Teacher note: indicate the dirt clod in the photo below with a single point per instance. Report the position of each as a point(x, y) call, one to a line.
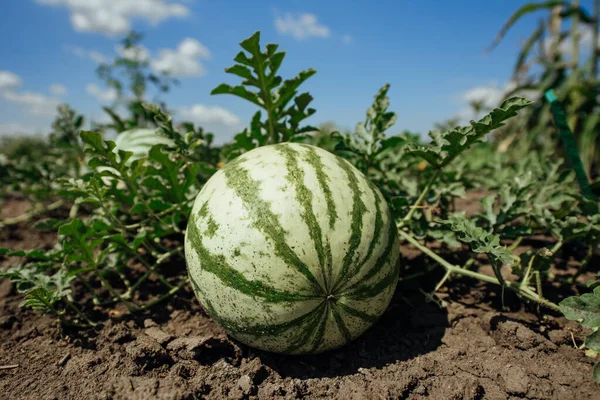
point(511, 333)
point(159, 335)
point(147, 352)
point(515, 380)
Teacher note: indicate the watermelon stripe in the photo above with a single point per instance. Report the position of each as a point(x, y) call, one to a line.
point(381, 261)
point(309, 330)
point(203, 212)
point(340, 322)
point(314, 160)
point(328, 263)
point(295, 175)
point(368, 291)
point(356, 313)
point(358, 209)
point(377, 230)
point(212, 227)
point(264, 219)
point(230, 277)
point(256, 330)
point(322, 326)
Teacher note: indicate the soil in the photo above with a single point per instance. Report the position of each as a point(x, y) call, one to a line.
point(469, 349)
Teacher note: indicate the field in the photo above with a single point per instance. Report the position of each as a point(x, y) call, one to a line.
point(498, 222)
point(468, 349)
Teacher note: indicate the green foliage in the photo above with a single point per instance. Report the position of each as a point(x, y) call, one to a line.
point(446, 146)
point(284, 108)
point(32, 166)
point(478, 239)
point(369, 138)
point(558, 59)
point(586, 310)
point(135, 68)
point(41, 291)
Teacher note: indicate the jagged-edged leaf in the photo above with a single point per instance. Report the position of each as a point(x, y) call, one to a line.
point(239, 91)
point(448, 145)
point(584, 308)
point(522, 11)
point(479, 239)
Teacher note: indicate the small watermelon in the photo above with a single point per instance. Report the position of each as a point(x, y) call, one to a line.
point(139, 141)
point(291, 249)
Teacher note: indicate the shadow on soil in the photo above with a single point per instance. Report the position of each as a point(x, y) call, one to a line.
point(410, 327)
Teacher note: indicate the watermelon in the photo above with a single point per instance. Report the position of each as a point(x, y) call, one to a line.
point(139, 141)
point(291, 249)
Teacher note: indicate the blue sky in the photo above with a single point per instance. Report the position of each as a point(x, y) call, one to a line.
point(431, 52)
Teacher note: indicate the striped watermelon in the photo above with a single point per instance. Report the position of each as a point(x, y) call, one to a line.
point(290, 249)
point(139, 141)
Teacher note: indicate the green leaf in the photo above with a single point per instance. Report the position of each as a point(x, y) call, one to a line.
point(273, 95)
point(94, 139)
point(118, 123)
point(480, 240)
point(251, 45)
point(527, 47)
point(241, 71)
point(71, 228)
point(446, 146)
point(368, 138)
point(239, 91)
point(585, 309)
point(522, 11)
point(289, 88)
point(592, 341)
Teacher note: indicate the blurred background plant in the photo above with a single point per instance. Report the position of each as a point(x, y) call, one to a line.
point(561, 54)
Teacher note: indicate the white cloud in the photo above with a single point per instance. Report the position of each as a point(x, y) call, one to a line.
point(16, 128)
point(138, 53)
point(58, 89)
point(8, 80)
point(32, 103)
point(87, 54)
point(184, 60)
point(490, 96)
point(103, 96)
point(347, 39)
point(113, 17)
point(208, 115)
point(300, 26)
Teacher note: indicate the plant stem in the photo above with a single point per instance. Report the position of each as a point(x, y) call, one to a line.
point(443, 280)
point(454, 269)
point(268, 102)
point(516, 243)
point(162, 297)
point(95, 299)
point(79, 313)
point(115, 293)
point(32, 212)
point(556, 247)
point(414, 207)
point(152, 269)
point(525, 280)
